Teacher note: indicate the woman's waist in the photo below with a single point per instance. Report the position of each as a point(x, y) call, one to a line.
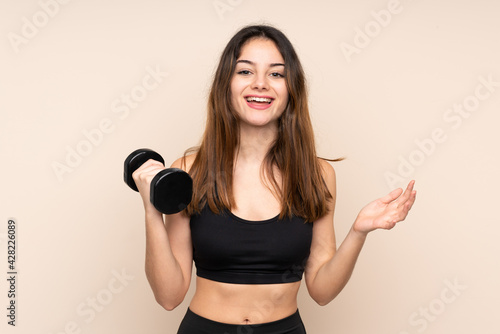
point(244, 303)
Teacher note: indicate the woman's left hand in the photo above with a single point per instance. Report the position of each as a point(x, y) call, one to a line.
point(387, 211)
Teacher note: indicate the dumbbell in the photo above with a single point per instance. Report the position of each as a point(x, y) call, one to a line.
point(171, 189)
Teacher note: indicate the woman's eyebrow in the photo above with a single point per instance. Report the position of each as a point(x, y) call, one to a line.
point(253, 64)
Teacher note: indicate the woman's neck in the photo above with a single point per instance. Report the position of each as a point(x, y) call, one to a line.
point(255, 143)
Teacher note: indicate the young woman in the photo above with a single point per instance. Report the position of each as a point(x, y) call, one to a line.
point(261, 217)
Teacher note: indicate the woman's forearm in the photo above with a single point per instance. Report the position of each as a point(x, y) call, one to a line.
point(162, 269)
point(335, 273)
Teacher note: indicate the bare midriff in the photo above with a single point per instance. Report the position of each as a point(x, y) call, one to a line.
point(244, 303)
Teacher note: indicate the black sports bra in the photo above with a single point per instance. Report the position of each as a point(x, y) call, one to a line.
point(230, 249)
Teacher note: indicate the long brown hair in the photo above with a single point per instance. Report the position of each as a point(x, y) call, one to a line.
point(303, 191)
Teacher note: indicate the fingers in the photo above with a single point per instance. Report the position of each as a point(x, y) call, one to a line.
point(407, 195)
point(391, 196)
point(147, 171)
point(394, 207)
point(411, 200)
point(148, 166)
point(406, 206)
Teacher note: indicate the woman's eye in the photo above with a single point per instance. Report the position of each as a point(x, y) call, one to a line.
point(244, 72)
point(277, 75)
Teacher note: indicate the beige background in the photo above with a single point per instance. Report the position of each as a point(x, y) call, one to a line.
point(80, 227)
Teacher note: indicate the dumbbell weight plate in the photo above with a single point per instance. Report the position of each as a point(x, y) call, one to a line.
point(171, 190)
point(135, 160)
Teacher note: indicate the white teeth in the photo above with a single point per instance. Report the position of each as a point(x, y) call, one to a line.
point(258, 99)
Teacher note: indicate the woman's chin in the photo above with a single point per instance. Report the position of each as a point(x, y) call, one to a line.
point(260, 123)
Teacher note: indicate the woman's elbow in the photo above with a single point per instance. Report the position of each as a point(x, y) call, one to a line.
point(322, 298)
point(169, 301)
point(167, 304)
point(168, 307)
point(322, 301)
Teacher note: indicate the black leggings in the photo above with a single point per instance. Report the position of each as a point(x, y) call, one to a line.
point(195, 324)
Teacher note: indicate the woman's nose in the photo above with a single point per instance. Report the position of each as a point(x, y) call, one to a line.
point(260, 82)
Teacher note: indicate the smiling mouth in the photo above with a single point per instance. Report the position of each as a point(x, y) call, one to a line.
point(259, 99)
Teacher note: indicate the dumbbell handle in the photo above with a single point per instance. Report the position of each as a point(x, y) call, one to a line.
point(135, 160)
point(171, 189)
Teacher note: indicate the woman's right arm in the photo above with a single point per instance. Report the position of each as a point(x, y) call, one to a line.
point(168, 243)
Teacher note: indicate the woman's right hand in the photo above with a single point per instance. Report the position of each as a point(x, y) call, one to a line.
point(142, 177)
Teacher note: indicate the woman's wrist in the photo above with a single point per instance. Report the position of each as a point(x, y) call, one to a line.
point(152, 214)
point(361, 235)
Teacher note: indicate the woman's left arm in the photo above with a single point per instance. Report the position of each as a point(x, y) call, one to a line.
point(328, 270)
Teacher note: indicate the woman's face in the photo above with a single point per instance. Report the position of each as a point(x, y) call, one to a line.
point(258, 88)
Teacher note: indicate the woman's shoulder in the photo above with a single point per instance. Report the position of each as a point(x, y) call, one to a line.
point(185, 162)
point(327, 170)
